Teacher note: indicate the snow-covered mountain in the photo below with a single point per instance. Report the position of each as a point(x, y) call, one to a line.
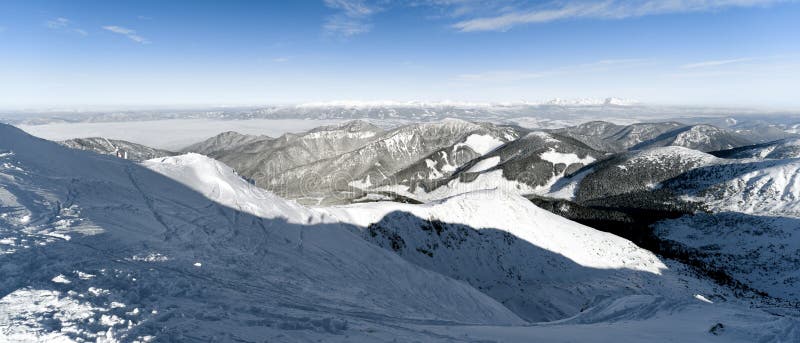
point(770, 187)
point(637, 171)
point(225, 141)
point(342, 172)
point(751, 228)
point(115, 147)
point(532, 164)
point(358, 161)
point(605, 136)
point(699, 137)
point(181, 248)
point(781, 149)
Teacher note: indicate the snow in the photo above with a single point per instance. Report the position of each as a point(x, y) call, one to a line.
point(61, 279)
point(565, 188)
point(484, 164)
point(677, 152)
point(488, 180)
point(555, 157)
point(362, 184)
point(766, 188)
point(222, 185)
point(544, 136)
point(702, 298)
point(482, 144)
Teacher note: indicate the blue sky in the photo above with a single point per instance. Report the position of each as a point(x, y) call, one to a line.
point(125, 53)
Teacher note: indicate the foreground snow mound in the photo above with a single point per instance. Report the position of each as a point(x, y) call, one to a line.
point(504, 245)
point(221, 184)
point(517, 216)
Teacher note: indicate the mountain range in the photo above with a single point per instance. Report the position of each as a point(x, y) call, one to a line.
point(438, 231)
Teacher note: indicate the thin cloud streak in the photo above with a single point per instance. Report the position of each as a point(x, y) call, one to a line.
point(64, 24)
point(131, 34)
point(605, 9)
point(352, 19)
point(716, 63)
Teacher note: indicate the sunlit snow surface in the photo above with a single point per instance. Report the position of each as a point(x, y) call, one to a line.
point(187, 251)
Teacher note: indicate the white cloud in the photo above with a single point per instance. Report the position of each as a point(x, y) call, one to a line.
point(351, 8)
point(597, 9)
point(131, 34)
point(280, 59)
point(352, 17)
point(58, 23)
point(716, 63)
point(64, 24)
point(346, 27)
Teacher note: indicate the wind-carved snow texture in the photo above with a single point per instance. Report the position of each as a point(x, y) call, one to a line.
point(98, 248)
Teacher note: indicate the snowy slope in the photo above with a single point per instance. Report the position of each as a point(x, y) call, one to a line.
point(751, 230)
point(114, 248)
point(759, 251)
point(785, 148)
point(771, 187)
point(541, 266)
